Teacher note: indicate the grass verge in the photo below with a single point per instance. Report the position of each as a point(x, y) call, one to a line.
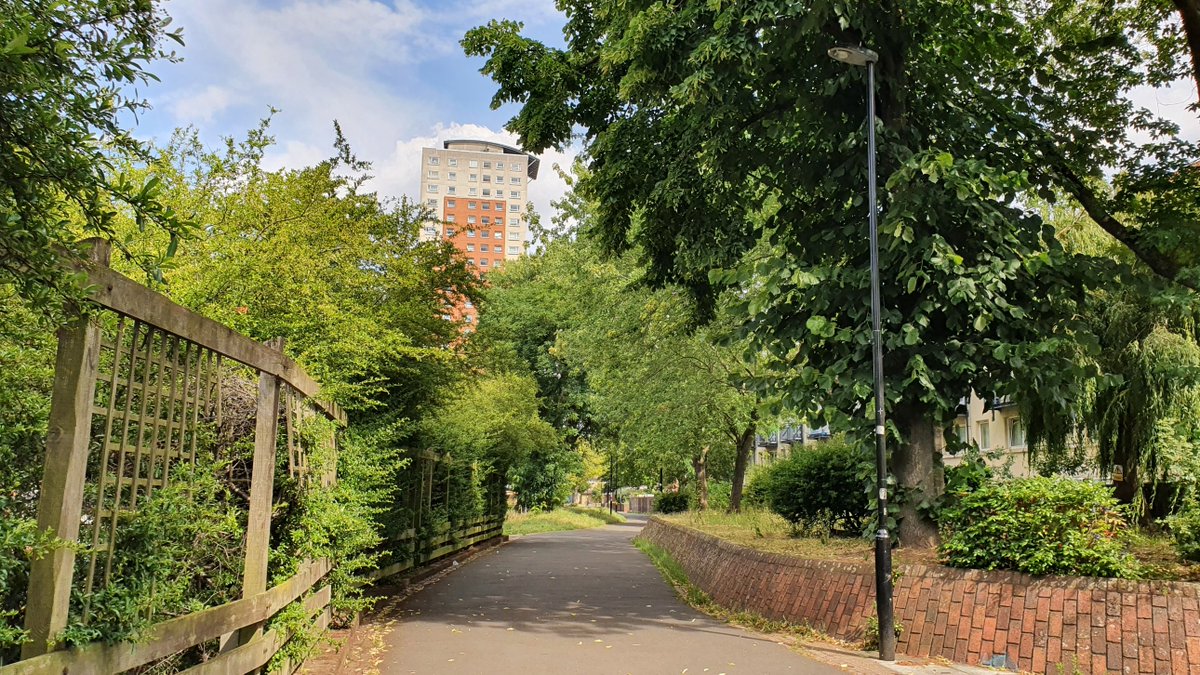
point(673, 572)
point(558, 520)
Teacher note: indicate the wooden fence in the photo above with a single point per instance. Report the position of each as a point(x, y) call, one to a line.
point(137, 381)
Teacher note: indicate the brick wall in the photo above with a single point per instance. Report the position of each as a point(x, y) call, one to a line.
point(1083, 624)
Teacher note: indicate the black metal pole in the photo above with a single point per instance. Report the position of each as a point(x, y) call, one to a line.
point(883, 543)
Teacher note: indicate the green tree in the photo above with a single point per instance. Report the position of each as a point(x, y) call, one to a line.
point(68, 77)
point(727, 149)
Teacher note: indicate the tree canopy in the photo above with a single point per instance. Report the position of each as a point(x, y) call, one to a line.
point(728, 150)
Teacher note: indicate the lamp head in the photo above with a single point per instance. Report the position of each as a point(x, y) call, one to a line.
point(854, 56)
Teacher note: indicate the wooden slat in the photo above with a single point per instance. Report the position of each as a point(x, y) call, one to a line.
point(256, 654)
point(262, 477)
point(125, 296)
point(60, 505)
point(175, 635)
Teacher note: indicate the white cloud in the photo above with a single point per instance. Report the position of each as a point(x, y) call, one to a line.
point(1171, 103)
point(202, 105)
point(400, 172)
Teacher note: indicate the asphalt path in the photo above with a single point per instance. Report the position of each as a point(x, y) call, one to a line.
point(582, 602)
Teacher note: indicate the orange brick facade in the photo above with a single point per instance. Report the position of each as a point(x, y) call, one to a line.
point(1045, 625)
point(476, 227)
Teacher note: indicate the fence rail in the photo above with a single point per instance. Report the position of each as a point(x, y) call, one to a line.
point(138, 379)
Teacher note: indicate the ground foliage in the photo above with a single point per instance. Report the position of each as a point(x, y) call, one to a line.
point(1039, 526)
point(819, 487)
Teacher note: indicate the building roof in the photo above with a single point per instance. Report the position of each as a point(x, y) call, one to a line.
point(531, 168)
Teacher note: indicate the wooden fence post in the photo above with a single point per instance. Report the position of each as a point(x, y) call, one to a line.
point(60, 502)
point(262, 487)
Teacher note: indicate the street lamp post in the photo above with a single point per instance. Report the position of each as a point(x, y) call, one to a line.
point(857, 56)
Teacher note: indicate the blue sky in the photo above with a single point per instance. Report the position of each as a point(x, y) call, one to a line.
point(390, 71)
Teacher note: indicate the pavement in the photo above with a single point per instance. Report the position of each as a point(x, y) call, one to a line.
point(578, 602)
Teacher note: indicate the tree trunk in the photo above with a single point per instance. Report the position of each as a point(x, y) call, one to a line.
point(1189, 13)
point(745, 445)
point(700, 465)
point(919, 476)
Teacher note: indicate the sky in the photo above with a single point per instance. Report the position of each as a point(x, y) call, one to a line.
point(390, 71)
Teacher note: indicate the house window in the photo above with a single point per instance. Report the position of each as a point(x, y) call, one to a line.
point(450, 203)
point(1016, 433)
point(487, 206)
point(473, 164)
point(451, 218)
point(446, 317)
point(960, 431)
point(433, 161)
point(471, 205)
point(483, 248)
point(471, 192)
point(432, 173)
point(487, 165)
point(514, 167)
point(470, 248)
point(515, 194)
point(431, 203)
point(449, 189)
point(452, 162)
point(514, 235)
point(471, 221)
point(487, 178)
point(450, 175)
point(514, 208)
point(431, 188)
point(515, 180)
point(487, 192)
point(473, 178)
point(513, 250)
point(483, 262)
point(486, 221)
point(499, 221)
point(499, 179)
point(985, 436)
point(500, 205)
point(499, 234)
point(469, 304)
point(450, 231)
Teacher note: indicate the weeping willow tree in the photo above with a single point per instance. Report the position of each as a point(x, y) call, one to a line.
point(1137, 404)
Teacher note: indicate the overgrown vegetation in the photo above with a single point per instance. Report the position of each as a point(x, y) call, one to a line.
point(518, 523)
point(1039, 526)
point(819, 487)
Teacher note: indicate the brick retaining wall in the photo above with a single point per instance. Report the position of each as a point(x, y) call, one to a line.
point(1084, 624)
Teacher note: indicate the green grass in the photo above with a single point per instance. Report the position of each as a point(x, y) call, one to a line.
point(558, 520)
point(765, 531)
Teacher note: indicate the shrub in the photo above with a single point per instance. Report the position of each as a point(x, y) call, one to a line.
point(1185, 529)
point(672, 502)
point(758, 488)
point(820, 487)
point(1038, 526)
point(719, 495)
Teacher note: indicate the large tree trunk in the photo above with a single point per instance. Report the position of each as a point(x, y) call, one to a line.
point(1189, 13)
point(700, 466)
point(745, 445)
point(919, 476)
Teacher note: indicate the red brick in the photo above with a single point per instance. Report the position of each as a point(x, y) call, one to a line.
point(1112, 631)
point(1158, 600)
point(1145, 660)
point(1026, 647)
point(1159, 617)
point(1114, 657)
point(1193, 648)
point(1054, 653)
point(1179, 660)
point(1054, 628)
point(1145, 632)
point(1056, 600)
point(1143, 609)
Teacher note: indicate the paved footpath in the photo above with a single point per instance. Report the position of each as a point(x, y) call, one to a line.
point(581, 602)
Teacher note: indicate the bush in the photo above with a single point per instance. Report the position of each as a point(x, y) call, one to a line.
point(1185, 529)
point(758, 488)
point(820, 487)
point(1038, 526)
point(672, 502)
point(719, 495)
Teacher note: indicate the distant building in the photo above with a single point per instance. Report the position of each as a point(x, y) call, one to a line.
point(997, 430)
point(779, 445)
point(477, 192)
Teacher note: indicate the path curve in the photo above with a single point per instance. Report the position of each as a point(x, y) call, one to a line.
point(582, 602)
